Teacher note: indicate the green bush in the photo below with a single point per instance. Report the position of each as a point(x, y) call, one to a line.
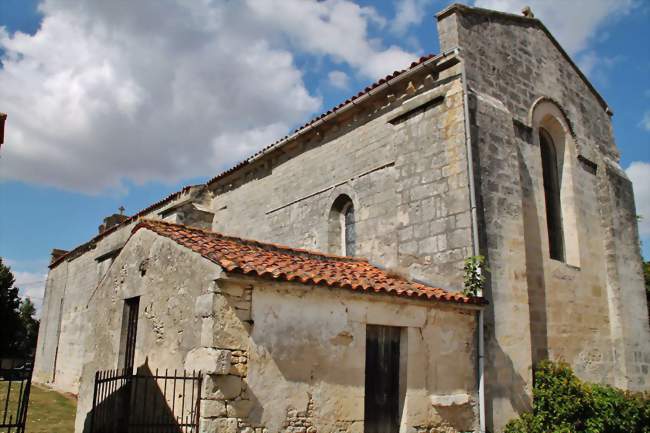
point(562, 403)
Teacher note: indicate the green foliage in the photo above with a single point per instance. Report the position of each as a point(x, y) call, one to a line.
point(19, 328)
point(562, 403)
point(9, 304)
point(475, 270)
point(27, 333)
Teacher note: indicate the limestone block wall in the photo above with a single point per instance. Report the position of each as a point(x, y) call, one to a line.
point(586, 310)
point(406, 175)
point(69, 288)
point(290, 357)
point(168, 279)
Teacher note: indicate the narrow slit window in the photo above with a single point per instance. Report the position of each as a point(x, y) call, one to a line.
point(129, 333)
point(382, 388)
point(350, 236)
point(551, 175)
point(342, 227)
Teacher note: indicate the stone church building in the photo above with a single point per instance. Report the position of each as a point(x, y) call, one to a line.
point(318, 284)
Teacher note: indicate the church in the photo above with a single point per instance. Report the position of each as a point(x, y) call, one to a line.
point(319, 285)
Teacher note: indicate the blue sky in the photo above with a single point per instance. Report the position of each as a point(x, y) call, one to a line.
point(121, 103)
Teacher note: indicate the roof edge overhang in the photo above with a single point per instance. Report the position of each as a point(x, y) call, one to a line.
point(520, 19)
point(92, 243)
point(240, 278)
point(433, 63)
point(472, 302)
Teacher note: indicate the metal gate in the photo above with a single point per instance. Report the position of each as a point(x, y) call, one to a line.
point(15, 384)
point(140, 402)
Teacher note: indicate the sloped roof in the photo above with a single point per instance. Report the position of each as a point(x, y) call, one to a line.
point(77, 251)
point(527, 20)
point(277, 262)
point(368, 90)
point(335, 110)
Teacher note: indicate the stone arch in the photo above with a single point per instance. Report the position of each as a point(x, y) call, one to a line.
point(341, 229)
point(551, 126)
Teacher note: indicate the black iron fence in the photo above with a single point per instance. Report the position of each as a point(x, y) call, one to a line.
point(146, 402)
point(15, 384)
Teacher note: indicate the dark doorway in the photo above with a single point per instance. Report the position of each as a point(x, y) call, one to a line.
point(382, 379)
point(129, 333)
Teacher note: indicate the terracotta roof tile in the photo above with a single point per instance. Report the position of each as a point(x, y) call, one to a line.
point(277, 262)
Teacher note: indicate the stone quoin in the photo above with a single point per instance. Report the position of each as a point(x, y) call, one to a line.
point(498, 146)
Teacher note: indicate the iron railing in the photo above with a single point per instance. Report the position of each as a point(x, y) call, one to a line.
point(15, 384)
point(143, 402)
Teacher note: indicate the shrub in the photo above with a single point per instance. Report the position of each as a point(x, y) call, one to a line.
point(474, 279)
point(562, 403)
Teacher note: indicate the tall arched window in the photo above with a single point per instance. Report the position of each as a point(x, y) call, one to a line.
point(552, 188)
point(342, 230)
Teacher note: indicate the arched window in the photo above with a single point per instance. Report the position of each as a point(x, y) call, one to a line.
point(342, 230)
point(552, 188)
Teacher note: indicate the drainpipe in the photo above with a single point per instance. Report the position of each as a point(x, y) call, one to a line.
point(475, 246)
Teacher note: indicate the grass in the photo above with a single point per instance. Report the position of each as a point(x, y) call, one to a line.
point(48, 412)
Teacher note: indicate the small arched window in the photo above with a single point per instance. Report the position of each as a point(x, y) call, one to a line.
point(342, 229)
point(552, 188)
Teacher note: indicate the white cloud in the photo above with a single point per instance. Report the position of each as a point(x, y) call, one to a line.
point(409, 13)
point(645, 121)
point(596, 66)
point(31, 285)
point(160, 91)
point(337, 28)
point(339, 79)
point(574, 23)
point(639, 173)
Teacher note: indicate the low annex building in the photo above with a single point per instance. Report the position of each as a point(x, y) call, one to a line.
point(317, 285)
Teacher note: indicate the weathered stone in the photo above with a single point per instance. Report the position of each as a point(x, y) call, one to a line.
point(213, 408)
point(207, 332)
point(238, 370)
point(204, 306)
point(208, 360)
point(223, 387)
point(239, 408)
point(409, 181)
point(218, 425)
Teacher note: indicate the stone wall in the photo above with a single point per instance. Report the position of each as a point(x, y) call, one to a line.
point(68, 291)
point(70, 288)
point(289, 357)
point(588, 309)
point(400, 157)
point(276, 356)
point(168, 279)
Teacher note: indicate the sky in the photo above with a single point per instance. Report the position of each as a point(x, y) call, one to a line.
point(121, 103)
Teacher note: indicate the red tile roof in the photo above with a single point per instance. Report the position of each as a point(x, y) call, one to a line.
point(90, 244)
point(279, 262)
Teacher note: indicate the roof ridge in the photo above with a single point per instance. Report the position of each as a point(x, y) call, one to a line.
point(279, 263)
point(248, 241)
point(366, 90)
point(81, 247)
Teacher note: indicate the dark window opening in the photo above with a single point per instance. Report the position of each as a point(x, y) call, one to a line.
point(382, 397)
point(342, 227)
point(350, 237)
point(550, 173)
point(129, 332)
